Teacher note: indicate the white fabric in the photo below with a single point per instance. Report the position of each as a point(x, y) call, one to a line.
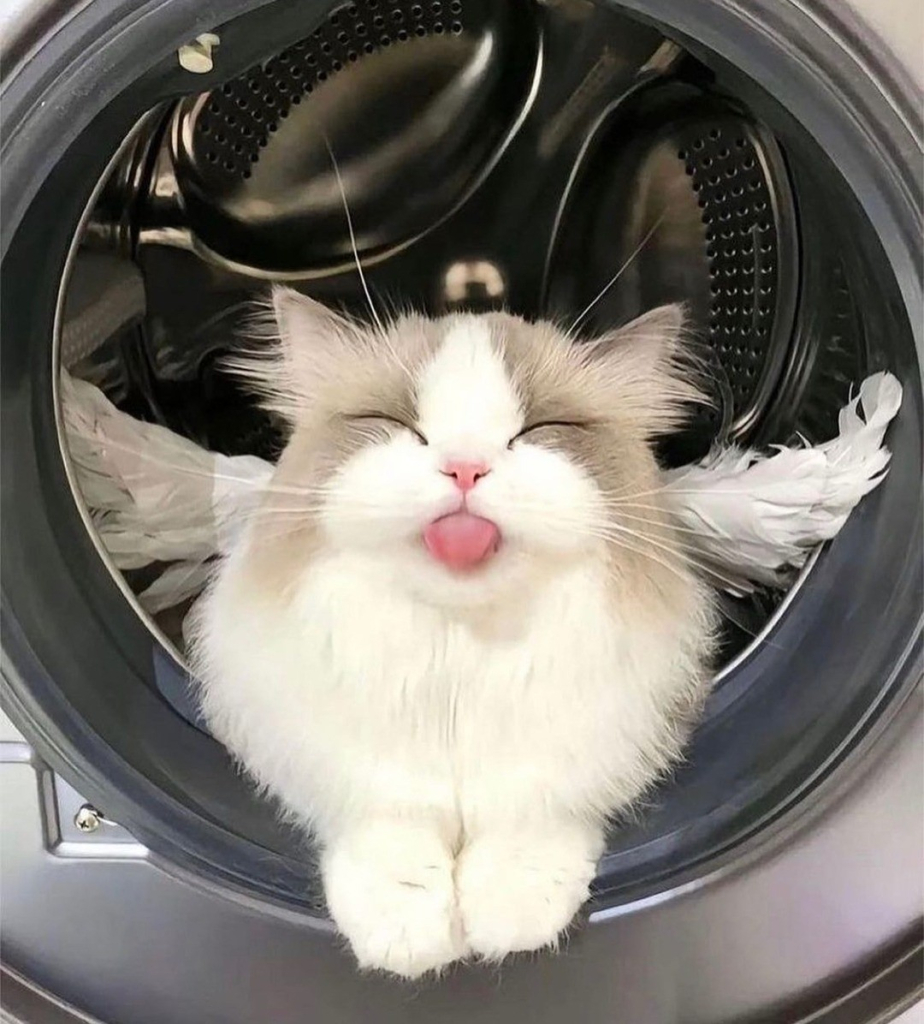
point(154, 496)
point(755, 514)
point(157, 497)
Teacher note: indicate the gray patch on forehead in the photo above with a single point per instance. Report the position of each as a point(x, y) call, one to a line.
point(383, 376)
point(549, 382)
point(554, 383)
point(375, 376)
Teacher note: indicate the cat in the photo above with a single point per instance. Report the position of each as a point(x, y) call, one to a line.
point(461, 633)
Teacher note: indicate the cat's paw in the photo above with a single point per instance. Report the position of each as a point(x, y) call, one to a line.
point(390, 891)
point(521, 893)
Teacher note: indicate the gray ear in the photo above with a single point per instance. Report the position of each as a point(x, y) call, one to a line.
point(649, 369)
point(306, 326)
point(293, 349)
point(656, 334)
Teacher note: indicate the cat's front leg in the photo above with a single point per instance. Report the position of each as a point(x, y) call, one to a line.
point(390, 890)
point(519, 889)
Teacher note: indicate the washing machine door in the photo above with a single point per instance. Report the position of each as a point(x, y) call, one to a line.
point(778, 877)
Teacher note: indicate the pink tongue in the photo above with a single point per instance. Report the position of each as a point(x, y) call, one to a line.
point(461, 540)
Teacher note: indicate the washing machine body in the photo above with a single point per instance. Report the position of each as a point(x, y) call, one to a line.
point(141, 882)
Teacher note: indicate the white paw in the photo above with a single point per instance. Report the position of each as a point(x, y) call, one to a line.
point(390, 891)
point(519, 894)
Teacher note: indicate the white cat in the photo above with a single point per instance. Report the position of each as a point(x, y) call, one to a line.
point(461, 632)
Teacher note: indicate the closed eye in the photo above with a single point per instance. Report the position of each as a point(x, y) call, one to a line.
point(532, 427)
point(394, 420)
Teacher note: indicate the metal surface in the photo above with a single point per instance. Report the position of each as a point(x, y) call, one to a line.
point(734, 786)
point(728, 949)
point(417, 100)
point(690, 198)
point(819, 896)
point(673, 179)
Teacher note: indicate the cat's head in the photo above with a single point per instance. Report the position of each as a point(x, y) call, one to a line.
point(464, 454)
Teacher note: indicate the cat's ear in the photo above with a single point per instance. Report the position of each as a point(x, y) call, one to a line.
point(295, 345)
point(650, 370)
point(307, 329)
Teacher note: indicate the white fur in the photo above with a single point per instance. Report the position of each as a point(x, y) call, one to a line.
point(456, 742)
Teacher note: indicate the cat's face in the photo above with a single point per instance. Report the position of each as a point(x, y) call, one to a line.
point(467, 452)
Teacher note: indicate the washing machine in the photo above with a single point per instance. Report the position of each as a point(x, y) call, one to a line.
point(162, 160)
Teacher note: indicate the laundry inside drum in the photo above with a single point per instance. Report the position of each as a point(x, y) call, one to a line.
point(542, 158)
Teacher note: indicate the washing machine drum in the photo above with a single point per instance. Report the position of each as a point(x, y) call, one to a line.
point(569, 159)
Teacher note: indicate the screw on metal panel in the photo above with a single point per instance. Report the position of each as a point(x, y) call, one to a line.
point(197, 56)
point(88, 818)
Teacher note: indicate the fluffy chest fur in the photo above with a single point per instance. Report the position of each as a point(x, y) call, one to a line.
point(353, 694)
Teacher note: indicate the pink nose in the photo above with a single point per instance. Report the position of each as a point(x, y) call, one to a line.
point(465, 474)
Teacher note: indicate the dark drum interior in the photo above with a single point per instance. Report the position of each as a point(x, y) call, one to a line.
point(514, 154)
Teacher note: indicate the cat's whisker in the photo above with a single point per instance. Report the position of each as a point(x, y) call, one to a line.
point(643, 552)
point(613, 532)
point(367, 291)
point(259, 485)
point(585, 312)
point(349, 220)
point(668, 489)
point(667, 527)
point(678, 543)
point(664, 509)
